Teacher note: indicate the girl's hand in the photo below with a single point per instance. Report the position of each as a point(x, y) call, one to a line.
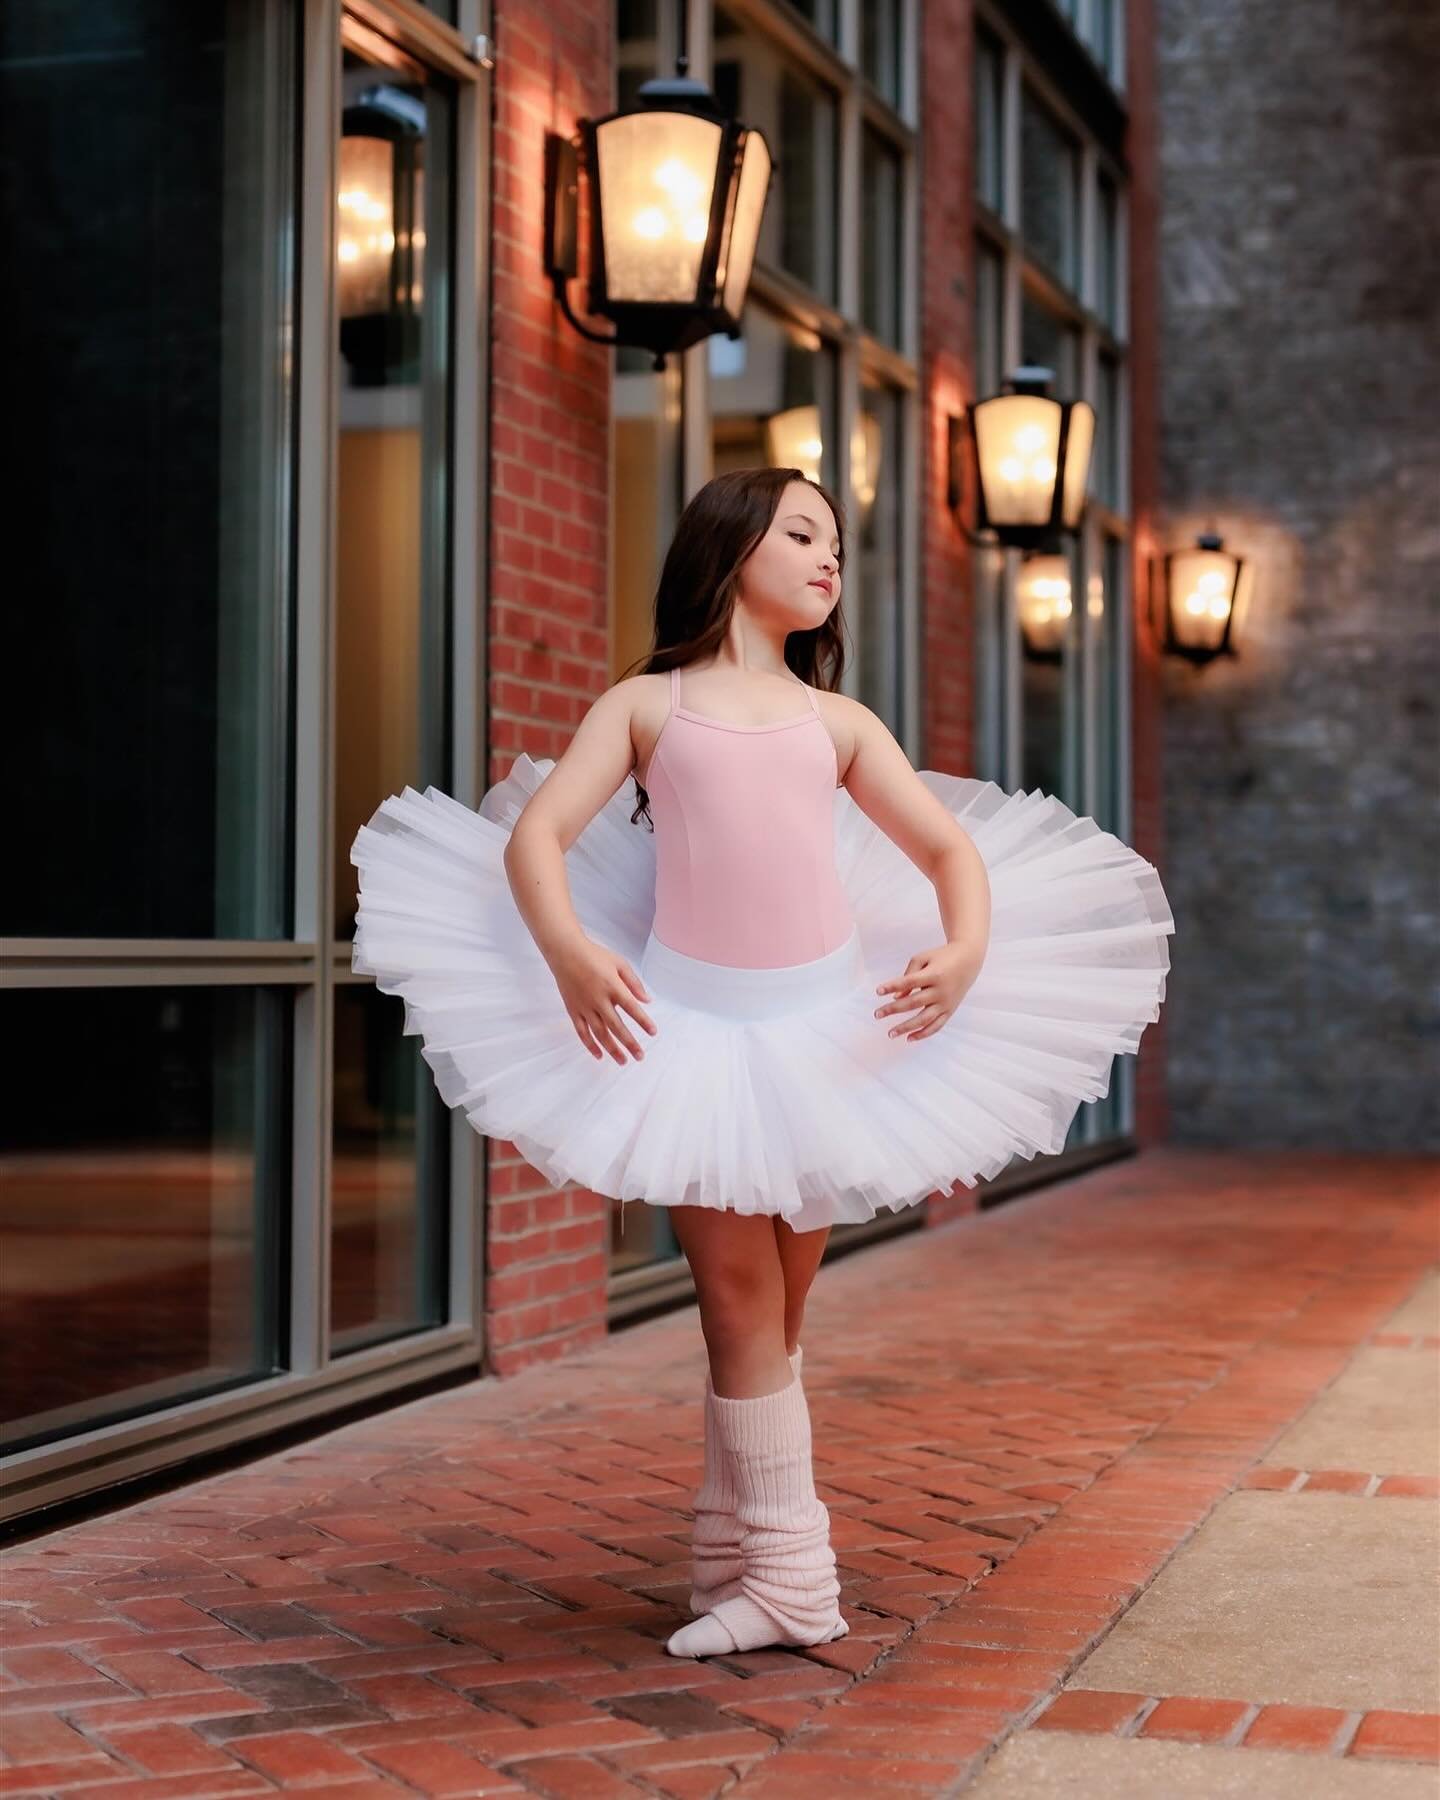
point(935, 982)
point(595, 983)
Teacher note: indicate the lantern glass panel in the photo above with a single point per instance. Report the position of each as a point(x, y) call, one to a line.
point(1202, 592)
point(743, 228)
point(1077, 462)
point(1018, 439)
point(657, 178)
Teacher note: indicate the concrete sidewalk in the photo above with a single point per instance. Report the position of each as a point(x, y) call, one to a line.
point(1133, 1484)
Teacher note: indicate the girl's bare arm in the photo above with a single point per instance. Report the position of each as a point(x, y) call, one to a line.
point(880, 780)
point(594, 980)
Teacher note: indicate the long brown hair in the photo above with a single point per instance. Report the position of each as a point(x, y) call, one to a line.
point(700, 579)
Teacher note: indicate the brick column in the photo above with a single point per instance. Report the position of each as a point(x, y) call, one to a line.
point(546, 1252)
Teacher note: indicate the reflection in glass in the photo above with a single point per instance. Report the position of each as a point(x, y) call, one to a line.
point(1044, 690)
point(388, 1254)
point(880, 272)
point(880, 47)
point(799, 119)
point(392, 574)
point(879, 628)
point(989, 121)
point(146, 192)
point(143, 1229)
point(772, 398)
point(393, 276)
point(1049, 190)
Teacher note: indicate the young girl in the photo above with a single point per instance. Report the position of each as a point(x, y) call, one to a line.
point(798, 982)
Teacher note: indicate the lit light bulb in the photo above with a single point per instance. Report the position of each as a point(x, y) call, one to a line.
point(649, 222)
point(695, 228)
point(682, 184)
point(347, 251)
point(1043, 469)
point(1030, 437)
point(1012, 468)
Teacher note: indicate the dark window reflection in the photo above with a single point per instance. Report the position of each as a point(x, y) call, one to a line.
point(145, 200)
point(799, 118)
point(880, 47)
point(143, 1223)
point(875, 481)
point(1049, 190)
point(390, 1180)
point(880, 251)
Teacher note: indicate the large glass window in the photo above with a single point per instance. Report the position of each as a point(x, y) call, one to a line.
point(148, 399)
point(143, 1220)
point(249, 401)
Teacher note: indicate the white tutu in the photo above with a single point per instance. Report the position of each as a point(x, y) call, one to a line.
point(768, 1090)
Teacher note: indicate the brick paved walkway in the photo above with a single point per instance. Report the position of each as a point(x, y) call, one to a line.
point(1019, 1420)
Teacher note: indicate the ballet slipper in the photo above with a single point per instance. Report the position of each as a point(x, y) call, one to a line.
point(789, 1589)
point(715, 1537)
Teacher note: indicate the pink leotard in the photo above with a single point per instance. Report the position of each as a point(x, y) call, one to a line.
point(745, 838)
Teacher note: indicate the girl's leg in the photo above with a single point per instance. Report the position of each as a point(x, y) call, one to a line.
point(740, 1286)
point(800, 1253)
point(788, 1588)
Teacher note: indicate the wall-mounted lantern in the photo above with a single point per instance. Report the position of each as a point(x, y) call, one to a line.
point(1043, 604)
point(676, 192)
point(1205, 591)
point(1032, 460)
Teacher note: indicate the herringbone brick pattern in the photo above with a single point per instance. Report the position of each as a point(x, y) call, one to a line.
point(1017, 1419)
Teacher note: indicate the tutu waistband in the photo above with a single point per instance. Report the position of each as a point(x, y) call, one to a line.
point(744, 993)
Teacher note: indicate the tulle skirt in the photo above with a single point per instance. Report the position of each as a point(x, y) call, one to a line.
point(771, 1090)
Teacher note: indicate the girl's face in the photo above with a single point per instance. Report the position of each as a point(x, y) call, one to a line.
point(792, 576)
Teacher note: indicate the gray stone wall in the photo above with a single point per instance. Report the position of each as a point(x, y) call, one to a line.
point(1300, 408)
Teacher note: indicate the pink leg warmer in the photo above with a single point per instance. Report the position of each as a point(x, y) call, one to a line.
point(789, 1590)
point(715, 1535)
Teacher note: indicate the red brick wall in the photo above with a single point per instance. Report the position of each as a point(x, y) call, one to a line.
point(546, 1253)
point(1147, 686)
point(947, 361)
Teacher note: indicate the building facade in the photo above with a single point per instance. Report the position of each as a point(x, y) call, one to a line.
point(324, 497)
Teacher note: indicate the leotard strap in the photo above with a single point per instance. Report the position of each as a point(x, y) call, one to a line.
point(810, 696)
point(674, 688)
